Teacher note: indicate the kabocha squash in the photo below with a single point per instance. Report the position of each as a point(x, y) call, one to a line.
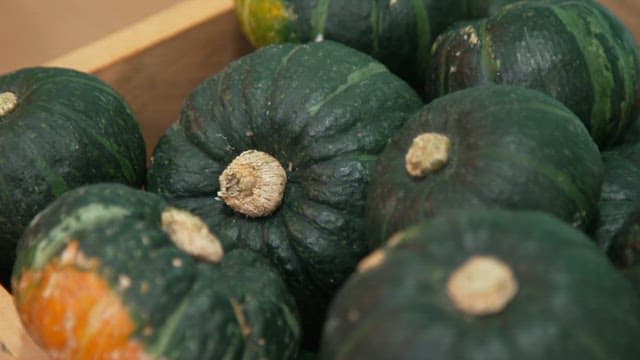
point(620, 196)
point(107, 271)
point(59, 129)
point(576, 51)
point(398, 33)
point(486, 146)
point(624, 247)
point(276, 153)
point(485, 285)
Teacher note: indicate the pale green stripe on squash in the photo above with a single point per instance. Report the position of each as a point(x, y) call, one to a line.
point(83, 218)
point(354, 78)
point(424, 35)
point(319, 18)
point(583, 29)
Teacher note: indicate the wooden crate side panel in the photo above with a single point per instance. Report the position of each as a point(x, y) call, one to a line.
point(156, 81)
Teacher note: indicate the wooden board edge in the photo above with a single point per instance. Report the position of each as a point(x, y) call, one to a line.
point(15, 343)
point(141, 35)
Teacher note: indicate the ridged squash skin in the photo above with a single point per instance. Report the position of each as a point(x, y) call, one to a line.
point(619, 200)
point(325, 112)
point(67, 129)
point(511, 147)
point(399, 306)
point(98, 275)
point(624, 248)
point(576, 51)
point(398, 33)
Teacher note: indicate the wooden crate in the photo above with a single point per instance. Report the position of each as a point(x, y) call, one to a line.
point(155, 63)
point(158, 61)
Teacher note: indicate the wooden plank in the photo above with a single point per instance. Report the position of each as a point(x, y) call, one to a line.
point(156, 81)
point(141, 35)
point(36, 31)
point(158, 61)
point(14, 341)
point(628, 11)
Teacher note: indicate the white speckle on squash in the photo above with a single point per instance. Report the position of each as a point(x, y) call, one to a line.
point(124, 281)
point(238, 312)
point(144, 287)
point(396, 238)
point(372, 261)
point(482, 285)
point(176, 262)
point(147, 330)
point(253, 184)
point(73, 256)
point(428, 153)
point(8, 102)
point(469, 34)
point(190, 234)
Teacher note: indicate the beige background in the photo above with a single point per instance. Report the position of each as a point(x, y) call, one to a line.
point(35, 31)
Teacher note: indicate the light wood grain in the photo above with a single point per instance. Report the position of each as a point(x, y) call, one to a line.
point(628, 11)
point(35, 31)
point(141, 35)
point(157, 80)
point(156, 62)
point(14, 341)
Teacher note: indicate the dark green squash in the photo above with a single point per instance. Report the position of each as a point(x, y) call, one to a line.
point(399, 33)
point(624, 249)
point(576, 51)
point(485, 285)
point(59, 129)
point(314, 118)
point(509, 147)
point(619, 200)
point(107, 271)
point(632, 135)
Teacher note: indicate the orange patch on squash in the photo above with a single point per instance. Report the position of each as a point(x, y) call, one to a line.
point(73, 313)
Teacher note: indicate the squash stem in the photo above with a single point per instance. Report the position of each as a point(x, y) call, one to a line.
point(253, 184)
point(428, 153)
point(482, 285)
point(8, 102)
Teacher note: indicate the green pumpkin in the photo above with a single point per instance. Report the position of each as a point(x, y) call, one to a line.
point(59, 129)
point(276, 153)
point(486, 146)
point(619, 200)
point(398, 33)
point(624, 249)
point(632, 135)
point(109, 271)
point(576, 51)
point(485, 285)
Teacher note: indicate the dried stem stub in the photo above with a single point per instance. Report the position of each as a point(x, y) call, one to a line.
point(482, 285)
point(191, 235)
point(8, 102)
point(253, 184)
point(428, 153)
